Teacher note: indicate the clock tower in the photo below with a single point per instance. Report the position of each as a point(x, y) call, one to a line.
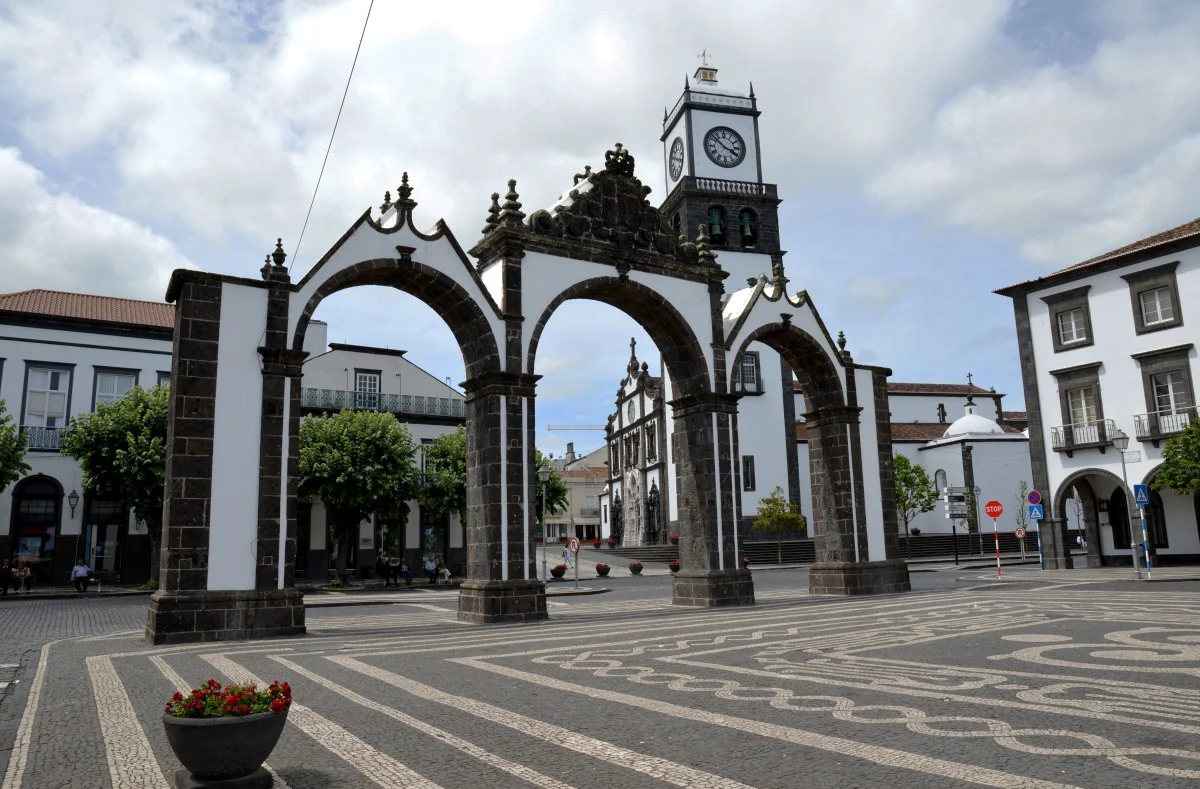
point(713, 166)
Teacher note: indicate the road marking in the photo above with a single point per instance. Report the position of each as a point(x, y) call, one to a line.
point(469, 748)
point(20, 750)
point(379, 767)
point(131, 762)
point(429, 607)
point(889, 757)
point(661, 769)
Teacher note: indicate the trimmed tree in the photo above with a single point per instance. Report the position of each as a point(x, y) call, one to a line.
point(122, 450)
point(12, 451)
point(553, 491)
point(915, 491)
point(1180, 470)
point(1021, 512)
point(444, 489)
point(357, 463)
point(776, 515)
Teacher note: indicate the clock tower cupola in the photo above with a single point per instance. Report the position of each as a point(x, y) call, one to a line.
point(713, 166)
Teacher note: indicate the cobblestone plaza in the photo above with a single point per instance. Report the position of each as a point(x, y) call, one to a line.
point(1057, 679)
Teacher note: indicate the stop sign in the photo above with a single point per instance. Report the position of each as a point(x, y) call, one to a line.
point(994, 509)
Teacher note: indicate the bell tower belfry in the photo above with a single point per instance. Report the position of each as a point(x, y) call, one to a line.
point(713, 165)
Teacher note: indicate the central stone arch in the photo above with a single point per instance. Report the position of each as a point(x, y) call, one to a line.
point(240, 340)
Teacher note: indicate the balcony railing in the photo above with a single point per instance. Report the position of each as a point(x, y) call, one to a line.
point(589, 510)
point(339, 399)
point(730, 187)
point(1160, 424)
point(1067, 438)
point(48, 439)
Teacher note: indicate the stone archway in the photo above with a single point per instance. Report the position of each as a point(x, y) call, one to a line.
point(239, 341)
point(1081, 482)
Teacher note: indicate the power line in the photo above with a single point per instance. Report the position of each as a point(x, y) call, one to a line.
point(329, 147)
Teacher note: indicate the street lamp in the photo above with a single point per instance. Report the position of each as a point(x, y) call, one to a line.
point(544, 475)
point(1120, 442)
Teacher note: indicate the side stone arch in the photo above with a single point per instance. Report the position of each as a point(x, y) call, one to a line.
point(1080, 481)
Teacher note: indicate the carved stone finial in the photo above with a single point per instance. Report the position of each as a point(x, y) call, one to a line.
point(632, 367)
point(587, 173)
point(786, 317)
point(387, 201)
point(752, 281)
point(776, 268)
point(493, 217)
point(511, 213)
point(703, 250)
point(404, 191)
point(619, 161)
point(278, 256)
point(841, 341)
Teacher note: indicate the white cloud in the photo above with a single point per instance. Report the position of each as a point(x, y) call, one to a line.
point(57, 241)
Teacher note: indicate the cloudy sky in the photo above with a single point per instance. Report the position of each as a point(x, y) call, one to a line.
point(927, 152)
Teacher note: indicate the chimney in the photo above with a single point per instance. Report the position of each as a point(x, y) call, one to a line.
point(570, 452)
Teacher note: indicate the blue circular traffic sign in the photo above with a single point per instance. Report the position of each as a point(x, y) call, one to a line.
point(1034, 497)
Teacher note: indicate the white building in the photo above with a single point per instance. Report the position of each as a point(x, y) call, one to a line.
point(1106, 352)
point(338, 376)
point(61, 354)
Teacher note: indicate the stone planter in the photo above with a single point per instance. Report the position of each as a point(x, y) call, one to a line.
point(635, 569)
point(224, 749)
point(602, 570)
point(557, 572)
point(674, 566)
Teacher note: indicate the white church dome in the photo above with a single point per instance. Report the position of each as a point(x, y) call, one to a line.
point(972, 423)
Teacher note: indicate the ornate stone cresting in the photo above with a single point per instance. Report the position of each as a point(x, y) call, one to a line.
point(404, 202)
point(493, 218)
point(273, 269)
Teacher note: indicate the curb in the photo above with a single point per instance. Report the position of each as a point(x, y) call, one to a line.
point(73, 595)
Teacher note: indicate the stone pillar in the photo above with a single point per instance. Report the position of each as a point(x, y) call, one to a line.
point(496, 589)
point(708, 574)
point(841, 541)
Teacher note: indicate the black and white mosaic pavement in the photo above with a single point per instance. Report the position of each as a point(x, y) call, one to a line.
point(1045, 681)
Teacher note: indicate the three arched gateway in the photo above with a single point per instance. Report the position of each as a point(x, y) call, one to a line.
point(228, 548)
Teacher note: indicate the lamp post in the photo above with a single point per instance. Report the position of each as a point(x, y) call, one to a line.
point(544, 476)
point(73, 500)
point(1120, 442)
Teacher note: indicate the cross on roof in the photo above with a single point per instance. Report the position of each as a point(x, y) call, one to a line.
point(969, 381)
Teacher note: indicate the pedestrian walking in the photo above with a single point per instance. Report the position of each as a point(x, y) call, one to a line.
point(81, 576)
point(382, 570)
point(431, 569)
point(6, 578)
point(24, 578)
point(406, 572)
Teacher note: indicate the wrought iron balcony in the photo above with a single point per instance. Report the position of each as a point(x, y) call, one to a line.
point(589, 510)
point(416, 405)
point(43, 439)
point(1091, 435)
point(1162, 424)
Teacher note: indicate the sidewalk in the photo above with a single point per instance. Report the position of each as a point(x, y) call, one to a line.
point(63, 592)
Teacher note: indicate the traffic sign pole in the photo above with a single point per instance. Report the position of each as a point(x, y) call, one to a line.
point(1145, 541)
point(996, 535)
point(994, 510)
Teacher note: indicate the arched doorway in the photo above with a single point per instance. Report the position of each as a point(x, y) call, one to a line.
point(36, 520)
point(1092, 503)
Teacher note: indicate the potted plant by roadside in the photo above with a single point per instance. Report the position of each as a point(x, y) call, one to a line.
point(635, 568)
point(612, 543)
point(674, 538)
point(915, 531)
point(223, 734)
point(558, 570)
point(674, 566)
point(601, 569)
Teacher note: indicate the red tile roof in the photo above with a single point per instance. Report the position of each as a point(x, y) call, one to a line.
point(1188, 230)
point(1015, 416)
point(86, 307)
point(591, 472)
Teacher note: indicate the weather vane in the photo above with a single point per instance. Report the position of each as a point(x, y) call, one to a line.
point(704, 56)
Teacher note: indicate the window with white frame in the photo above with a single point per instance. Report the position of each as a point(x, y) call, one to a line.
point(1157, 306)
point(1170, 392)
point(112, 386)
point(747, 472)
point(750, 371)
point(1081, 403)
point(164, 379)
point(46, 397)
point(1072, 326)
point(366, 388)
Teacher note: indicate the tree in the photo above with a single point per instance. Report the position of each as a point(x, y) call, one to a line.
point(122, 450)
point(356, 463)
point(1021, 513)
point(915, 492)
point(12, 451)
point(553, 491)
point(444, 490)
point(1180, 470)
point(777, 514)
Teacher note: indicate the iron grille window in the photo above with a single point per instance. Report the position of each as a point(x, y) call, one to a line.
point(747, 472)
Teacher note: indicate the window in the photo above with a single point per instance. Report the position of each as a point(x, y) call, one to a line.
point(112, 385)
point(749, 381)
point(939, 480)
point(46, 397)
point(164, 378)
point(1170, 392)
point(651, 442)
point(1170, 399)
point(1072, 327)
point(1082, 405)
point(1155, 298)
point(425, 443)
point(1156, 306)
point(366, 388)
point(747, 472)
point(604, 516)
point(1070, 319)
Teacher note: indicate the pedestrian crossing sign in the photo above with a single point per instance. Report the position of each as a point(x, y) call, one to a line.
point(1035, 512)
point(1141, 496)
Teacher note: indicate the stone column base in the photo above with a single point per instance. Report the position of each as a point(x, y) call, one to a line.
point(715, 588)
point(210, 615)
point(854, 578)
point(501, 601)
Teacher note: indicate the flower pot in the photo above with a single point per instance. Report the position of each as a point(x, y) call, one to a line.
point(221, 749)
point(674, 540)
point(602, 571)
point(636, 569)
point(557, 573)
point(674, 567)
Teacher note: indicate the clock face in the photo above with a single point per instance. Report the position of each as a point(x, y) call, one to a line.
point(676, 159)
point(724, 146)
